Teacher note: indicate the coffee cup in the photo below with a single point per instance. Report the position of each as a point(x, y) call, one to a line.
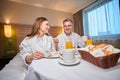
point(68, 56)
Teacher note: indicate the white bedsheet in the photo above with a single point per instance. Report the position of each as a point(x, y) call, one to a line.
point(14, 70)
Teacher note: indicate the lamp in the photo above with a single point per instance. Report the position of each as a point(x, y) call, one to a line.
point(7, 30)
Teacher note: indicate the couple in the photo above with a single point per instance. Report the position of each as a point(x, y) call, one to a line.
point(38, 42)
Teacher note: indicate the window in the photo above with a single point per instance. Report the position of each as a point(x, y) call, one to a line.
point(102, 19)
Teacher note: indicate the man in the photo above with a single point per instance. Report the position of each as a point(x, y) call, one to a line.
point(68, 34)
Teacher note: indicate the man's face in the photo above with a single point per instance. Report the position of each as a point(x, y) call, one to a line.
point(67, 27)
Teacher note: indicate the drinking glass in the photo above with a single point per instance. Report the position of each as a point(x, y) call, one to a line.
point(68, 44)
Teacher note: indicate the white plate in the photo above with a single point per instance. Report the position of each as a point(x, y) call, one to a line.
point(52, 55)
point(77, 61)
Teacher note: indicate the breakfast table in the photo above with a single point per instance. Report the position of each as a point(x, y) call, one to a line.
point(55, 69)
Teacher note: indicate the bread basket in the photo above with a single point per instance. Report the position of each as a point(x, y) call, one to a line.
point(103, 62)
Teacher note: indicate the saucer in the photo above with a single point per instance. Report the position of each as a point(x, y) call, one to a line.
point(77, 61)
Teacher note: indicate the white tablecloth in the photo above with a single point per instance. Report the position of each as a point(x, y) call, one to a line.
point(14, 70)
point(50, 69)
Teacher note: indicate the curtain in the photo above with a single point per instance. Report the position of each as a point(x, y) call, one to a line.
point(119, 5)
point(78, 24)
point(101, 20)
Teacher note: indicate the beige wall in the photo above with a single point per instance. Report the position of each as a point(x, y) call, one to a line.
point(26, 14)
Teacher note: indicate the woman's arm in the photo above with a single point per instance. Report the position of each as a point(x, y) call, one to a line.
point(27, 53)
point(34, 56)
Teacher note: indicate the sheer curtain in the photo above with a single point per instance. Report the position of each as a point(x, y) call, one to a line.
point(101, 20)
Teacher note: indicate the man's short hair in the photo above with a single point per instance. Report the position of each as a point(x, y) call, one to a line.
point(66, 20)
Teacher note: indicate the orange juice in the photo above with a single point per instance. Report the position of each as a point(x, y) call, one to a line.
point(89, 42)
point(68, 44)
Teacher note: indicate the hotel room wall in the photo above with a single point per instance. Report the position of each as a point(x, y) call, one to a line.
point(1, 41)
point(26, 14)
point(22, 17)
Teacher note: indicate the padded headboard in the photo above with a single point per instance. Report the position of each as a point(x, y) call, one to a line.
point(22, 30)
point(55, 30)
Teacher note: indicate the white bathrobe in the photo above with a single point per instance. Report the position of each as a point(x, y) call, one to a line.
point(76, 40)
point(44, 44)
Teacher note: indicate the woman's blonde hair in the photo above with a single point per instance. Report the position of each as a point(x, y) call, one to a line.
point(36, 26)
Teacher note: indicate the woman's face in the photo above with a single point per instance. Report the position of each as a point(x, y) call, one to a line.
point(44, 28)
point(67, 27)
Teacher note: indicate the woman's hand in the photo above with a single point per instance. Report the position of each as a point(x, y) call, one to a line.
point(37, 55)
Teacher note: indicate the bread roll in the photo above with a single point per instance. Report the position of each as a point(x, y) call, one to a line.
point(97, 47)
point(108, 50)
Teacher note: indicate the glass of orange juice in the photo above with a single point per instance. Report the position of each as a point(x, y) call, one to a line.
point(68, 44)
point(89, 42)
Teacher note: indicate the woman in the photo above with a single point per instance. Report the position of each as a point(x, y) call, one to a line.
point(38, 42)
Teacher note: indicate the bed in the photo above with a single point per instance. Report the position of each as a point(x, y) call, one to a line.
point(14, 70)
